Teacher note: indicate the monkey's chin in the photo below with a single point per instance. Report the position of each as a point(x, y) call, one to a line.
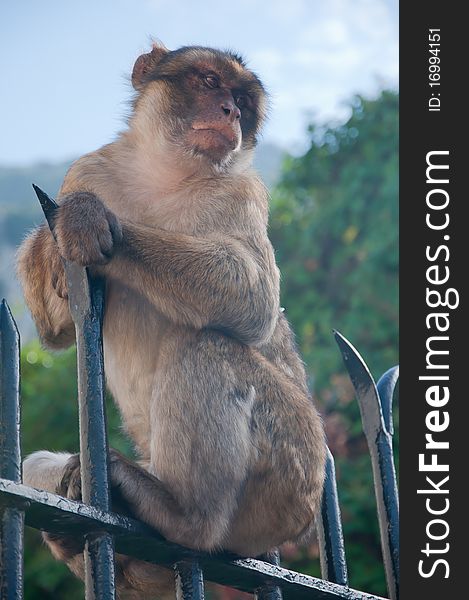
point(212, 144)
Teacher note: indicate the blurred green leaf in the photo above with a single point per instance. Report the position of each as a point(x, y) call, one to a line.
point(50, 421)
point(334, 225)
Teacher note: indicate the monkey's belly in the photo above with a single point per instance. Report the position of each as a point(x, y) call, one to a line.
point(224, 429)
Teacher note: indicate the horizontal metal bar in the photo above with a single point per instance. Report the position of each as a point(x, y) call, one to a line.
point(44, 510)
point(270, 592)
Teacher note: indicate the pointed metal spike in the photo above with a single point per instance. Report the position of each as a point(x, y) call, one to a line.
point(77, 276)
point(380, 447)
point(386, 384)
point(48, 205)
point(365, 388)
point(10, 459)
point(8, 328)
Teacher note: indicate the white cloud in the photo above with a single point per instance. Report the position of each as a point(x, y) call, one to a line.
point(337, 49)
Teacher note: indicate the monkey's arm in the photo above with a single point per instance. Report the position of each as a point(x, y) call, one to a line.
point(219, 281)
point(41, 273)
point(228, 281)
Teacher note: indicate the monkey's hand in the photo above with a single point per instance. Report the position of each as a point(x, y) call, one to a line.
point(86, 231)
point(70, 486)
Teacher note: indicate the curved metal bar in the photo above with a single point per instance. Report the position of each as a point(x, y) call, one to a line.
point(380, 446)
point(385, 386)
point(139, 541)
point(86, 302)
point(329, 528)
point(365, 388)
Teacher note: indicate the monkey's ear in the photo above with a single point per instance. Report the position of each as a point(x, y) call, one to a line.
point(146, 63)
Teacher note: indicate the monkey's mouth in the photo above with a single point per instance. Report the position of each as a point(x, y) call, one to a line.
point(215, 138)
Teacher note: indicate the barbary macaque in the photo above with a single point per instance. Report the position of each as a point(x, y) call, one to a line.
point(198, 355)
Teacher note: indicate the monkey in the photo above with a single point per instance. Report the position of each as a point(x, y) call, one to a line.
point(199, 357)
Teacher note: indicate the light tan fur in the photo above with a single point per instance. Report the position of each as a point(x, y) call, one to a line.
point(198, 356)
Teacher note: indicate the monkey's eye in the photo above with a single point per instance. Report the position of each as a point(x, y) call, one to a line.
point(211, 81)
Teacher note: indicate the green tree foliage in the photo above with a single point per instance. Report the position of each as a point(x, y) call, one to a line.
point(50, 421)
point(334, 227)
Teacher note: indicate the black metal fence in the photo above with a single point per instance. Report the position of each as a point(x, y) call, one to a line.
point(105, 532)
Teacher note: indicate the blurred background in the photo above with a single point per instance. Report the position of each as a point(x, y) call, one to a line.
point(328, 155)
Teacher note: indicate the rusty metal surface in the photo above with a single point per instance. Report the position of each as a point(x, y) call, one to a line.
point(269, 591)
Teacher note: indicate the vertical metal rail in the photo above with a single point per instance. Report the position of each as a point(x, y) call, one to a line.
point(378, 432)
point(329, 528)
point(12, 518)
point(385, 388)
point(189, 580)
point(269, 591)
point(86, 301)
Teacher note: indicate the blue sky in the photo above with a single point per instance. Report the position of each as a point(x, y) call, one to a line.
point(65, 64)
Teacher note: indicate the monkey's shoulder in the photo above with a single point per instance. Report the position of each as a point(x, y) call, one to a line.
point(85, 173)
point(202, 204)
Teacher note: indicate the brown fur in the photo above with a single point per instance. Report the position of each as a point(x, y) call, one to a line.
point(200, 360)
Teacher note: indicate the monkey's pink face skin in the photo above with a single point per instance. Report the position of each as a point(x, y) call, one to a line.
point(215, 128)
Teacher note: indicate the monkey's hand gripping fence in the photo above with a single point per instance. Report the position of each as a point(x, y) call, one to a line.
point(105, 531)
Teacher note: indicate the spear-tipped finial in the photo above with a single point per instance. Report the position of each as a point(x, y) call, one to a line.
point(48, 205)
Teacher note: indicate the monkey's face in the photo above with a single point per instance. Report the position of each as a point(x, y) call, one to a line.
point(211, 105)
point(213, 113)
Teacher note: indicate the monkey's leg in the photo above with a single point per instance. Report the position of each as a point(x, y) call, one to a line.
point(200, 444)
point(60, 473)
point(46, 471)
point(236, 443)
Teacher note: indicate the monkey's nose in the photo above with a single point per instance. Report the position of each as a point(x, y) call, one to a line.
point(231, 110)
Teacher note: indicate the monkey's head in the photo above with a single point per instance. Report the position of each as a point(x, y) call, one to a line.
point(202, 101)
